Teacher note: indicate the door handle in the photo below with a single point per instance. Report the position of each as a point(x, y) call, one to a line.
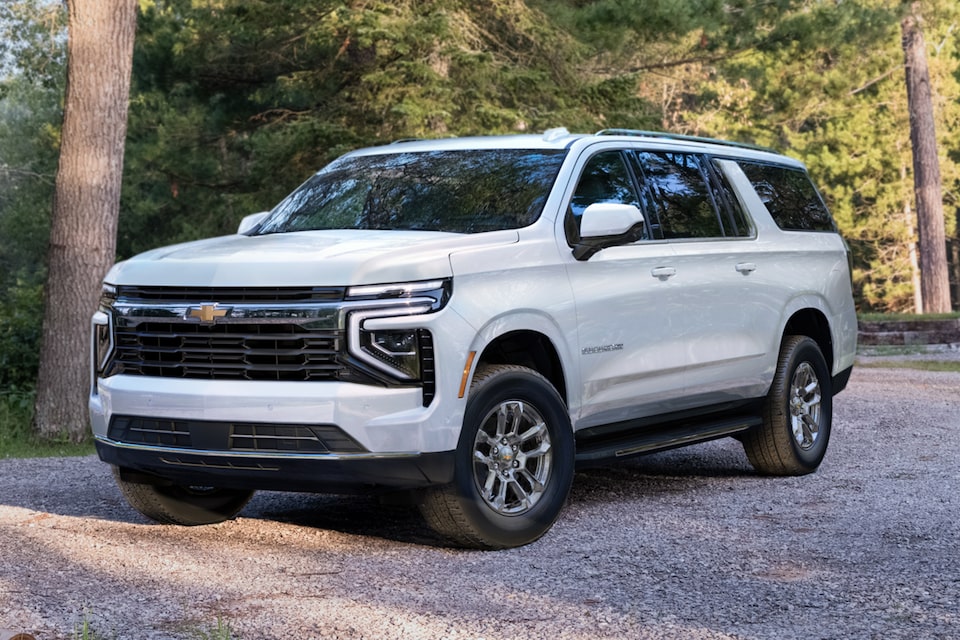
point(746, 268)
point(663, 272)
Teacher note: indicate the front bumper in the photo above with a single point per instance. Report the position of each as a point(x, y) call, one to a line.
point(382, 420)
point(198, 432)
point(325, 473)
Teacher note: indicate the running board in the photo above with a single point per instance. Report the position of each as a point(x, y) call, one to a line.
point(658, 438)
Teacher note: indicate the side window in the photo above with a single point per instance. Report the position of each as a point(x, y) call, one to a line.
point(790, 197)
point(604, 179)
point(737, 223)
point(679, 189)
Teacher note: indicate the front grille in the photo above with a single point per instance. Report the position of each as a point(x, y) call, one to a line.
point(232, 436)
point(286, 352)
point(231, 295)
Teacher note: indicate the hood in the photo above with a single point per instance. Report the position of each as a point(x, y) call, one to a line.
point(340, 257)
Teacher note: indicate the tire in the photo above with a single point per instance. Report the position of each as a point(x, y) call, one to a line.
point(797, 415)
point(514, 463)
point(189, 506)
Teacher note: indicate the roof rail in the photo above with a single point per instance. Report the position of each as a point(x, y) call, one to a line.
point(676, 136)
point(402, 140)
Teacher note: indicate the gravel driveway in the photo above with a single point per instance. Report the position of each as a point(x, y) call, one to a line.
point(688, 544)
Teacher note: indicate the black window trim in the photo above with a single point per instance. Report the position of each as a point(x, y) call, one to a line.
point(702, 159)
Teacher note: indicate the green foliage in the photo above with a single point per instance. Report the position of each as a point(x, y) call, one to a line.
point(907, 317)
point(84, 630)
point(31, 85)
point(17, 439)
point(235, 102)
point(221, 631)
point(20, 326)
point(920, 365)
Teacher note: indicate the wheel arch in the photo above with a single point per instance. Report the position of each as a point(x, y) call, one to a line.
point(527, 348)
point(813, 323)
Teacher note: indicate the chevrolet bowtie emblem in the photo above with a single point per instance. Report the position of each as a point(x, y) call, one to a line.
point(207, 313)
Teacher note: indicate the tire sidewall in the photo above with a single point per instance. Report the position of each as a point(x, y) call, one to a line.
point(515, 383)
point(806, 350)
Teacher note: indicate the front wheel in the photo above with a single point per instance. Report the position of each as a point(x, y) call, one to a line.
point(797, 414)
point(514, 463)
point(176, 504)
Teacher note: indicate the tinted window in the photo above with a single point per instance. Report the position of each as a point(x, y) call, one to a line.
point(737, 223)
point(681, 194)
point(604, 179)
point(790, 197)
point(457, 191)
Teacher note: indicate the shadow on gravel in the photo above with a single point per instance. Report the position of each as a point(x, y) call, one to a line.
point(364, 516)
point(676, 471)
point(84, 487)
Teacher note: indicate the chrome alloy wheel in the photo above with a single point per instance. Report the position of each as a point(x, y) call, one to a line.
point(805, 406)
point(512, 457)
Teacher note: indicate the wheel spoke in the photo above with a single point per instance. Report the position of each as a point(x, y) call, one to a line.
point(502, 420)
point(500, 499)
point(533, 432)
point(488, 485)
point(539, 452)
point(523, 497)
point(535, 482)
point(518, 415)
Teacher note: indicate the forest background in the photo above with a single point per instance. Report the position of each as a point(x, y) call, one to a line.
point(233, 103)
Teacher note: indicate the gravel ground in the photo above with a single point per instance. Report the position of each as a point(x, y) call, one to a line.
point(688, 544)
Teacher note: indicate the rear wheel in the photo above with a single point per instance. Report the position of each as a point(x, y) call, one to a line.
point(514, 463)
point(184, 505)
point(797, 415)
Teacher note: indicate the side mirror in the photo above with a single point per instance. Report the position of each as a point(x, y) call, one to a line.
point(607, 224)
point(250, 222)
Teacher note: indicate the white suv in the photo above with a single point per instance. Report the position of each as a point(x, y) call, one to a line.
point(467, 320)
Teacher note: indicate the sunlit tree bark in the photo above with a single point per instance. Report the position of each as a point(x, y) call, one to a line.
point(934, 279)
point(86, 205)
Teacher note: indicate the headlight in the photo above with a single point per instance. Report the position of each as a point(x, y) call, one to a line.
point(435, 291)
point(399, 350)
point(382, 337)
point(108, 295)
point(101, 346)
point(377, 337)
point(102, 331)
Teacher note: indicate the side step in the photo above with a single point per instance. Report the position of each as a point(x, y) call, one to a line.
point(658, 437)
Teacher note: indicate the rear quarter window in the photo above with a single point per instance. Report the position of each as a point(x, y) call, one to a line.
point(790, 197)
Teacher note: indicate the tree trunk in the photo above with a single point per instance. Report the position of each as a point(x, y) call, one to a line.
point(934, 280)
point(86, 205)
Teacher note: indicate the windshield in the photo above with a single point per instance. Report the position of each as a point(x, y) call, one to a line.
point(456, 191)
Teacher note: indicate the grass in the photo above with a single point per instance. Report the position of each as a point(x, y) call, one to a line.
point(921, 365)
point(907, 317)
point(84, 630)
point(220, 632)
point(17, 440)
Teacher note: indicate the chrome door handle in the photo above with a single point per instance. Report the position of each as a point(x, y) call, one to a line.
point(746, 268)
point(663, 272)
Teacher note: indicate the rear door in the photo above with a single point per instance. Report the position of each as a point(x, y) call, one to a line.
point(721, 280)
